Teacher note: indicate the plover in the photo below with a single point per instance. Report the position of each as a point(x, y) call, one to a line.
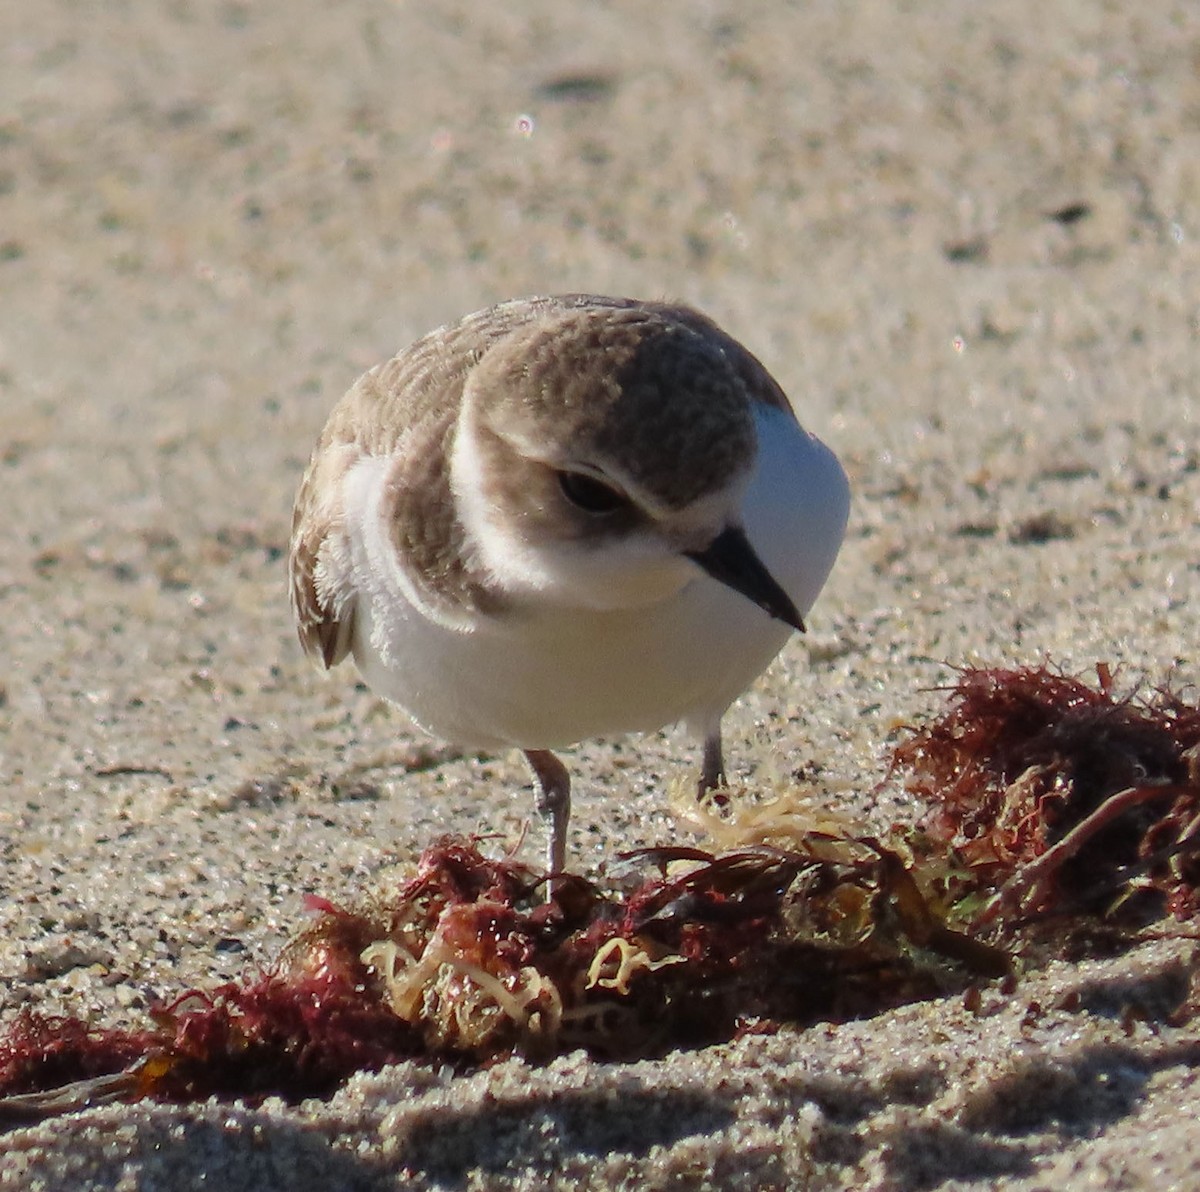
point(561, 518)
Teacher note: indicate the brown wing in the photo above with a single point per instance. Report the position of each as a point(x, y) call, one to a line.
point(323, 606)
point(405, 409)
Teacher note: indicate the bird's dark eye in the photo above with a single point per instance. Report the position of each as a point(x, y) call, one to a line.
point(589, 494)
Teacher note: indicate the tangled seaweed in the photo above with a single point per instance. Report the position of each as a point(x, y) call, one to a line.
point(468, 961)
point(1064, 796)
point(1045, 798)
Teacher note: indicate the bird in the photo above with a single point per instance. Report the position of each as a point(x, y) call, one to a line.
point(564, 517)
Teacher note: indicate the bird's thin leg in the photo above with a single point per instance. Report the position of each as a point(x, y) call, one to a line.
point(712, 772)
point(553, 803)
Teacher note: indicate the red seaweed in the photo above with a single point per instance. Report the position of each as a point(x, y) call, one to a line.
point(1047, 799)
point(1023, 758)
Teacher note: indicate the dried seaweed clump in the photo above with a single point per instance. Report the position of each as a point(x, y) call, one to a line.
point(469, 960)
point(1049, 798)
point(298, 1030)
point(1064, 796)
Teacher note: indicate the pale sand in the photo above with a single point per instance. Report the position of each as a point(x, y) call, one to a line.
point(214, 216)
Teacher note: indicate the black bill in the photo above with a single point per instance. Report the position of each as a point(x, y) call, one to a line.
point(730, 559)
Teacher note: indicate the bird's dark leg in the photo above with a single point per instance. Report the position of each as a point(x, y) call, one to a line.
point(553, 803)
point(712, 771)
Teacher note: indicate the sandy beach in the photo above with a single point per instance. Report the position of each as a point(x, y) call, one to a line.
point(963, 238)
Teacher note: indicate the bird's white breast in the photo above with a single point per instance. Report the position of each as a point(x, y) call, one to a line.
point(547, 677)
